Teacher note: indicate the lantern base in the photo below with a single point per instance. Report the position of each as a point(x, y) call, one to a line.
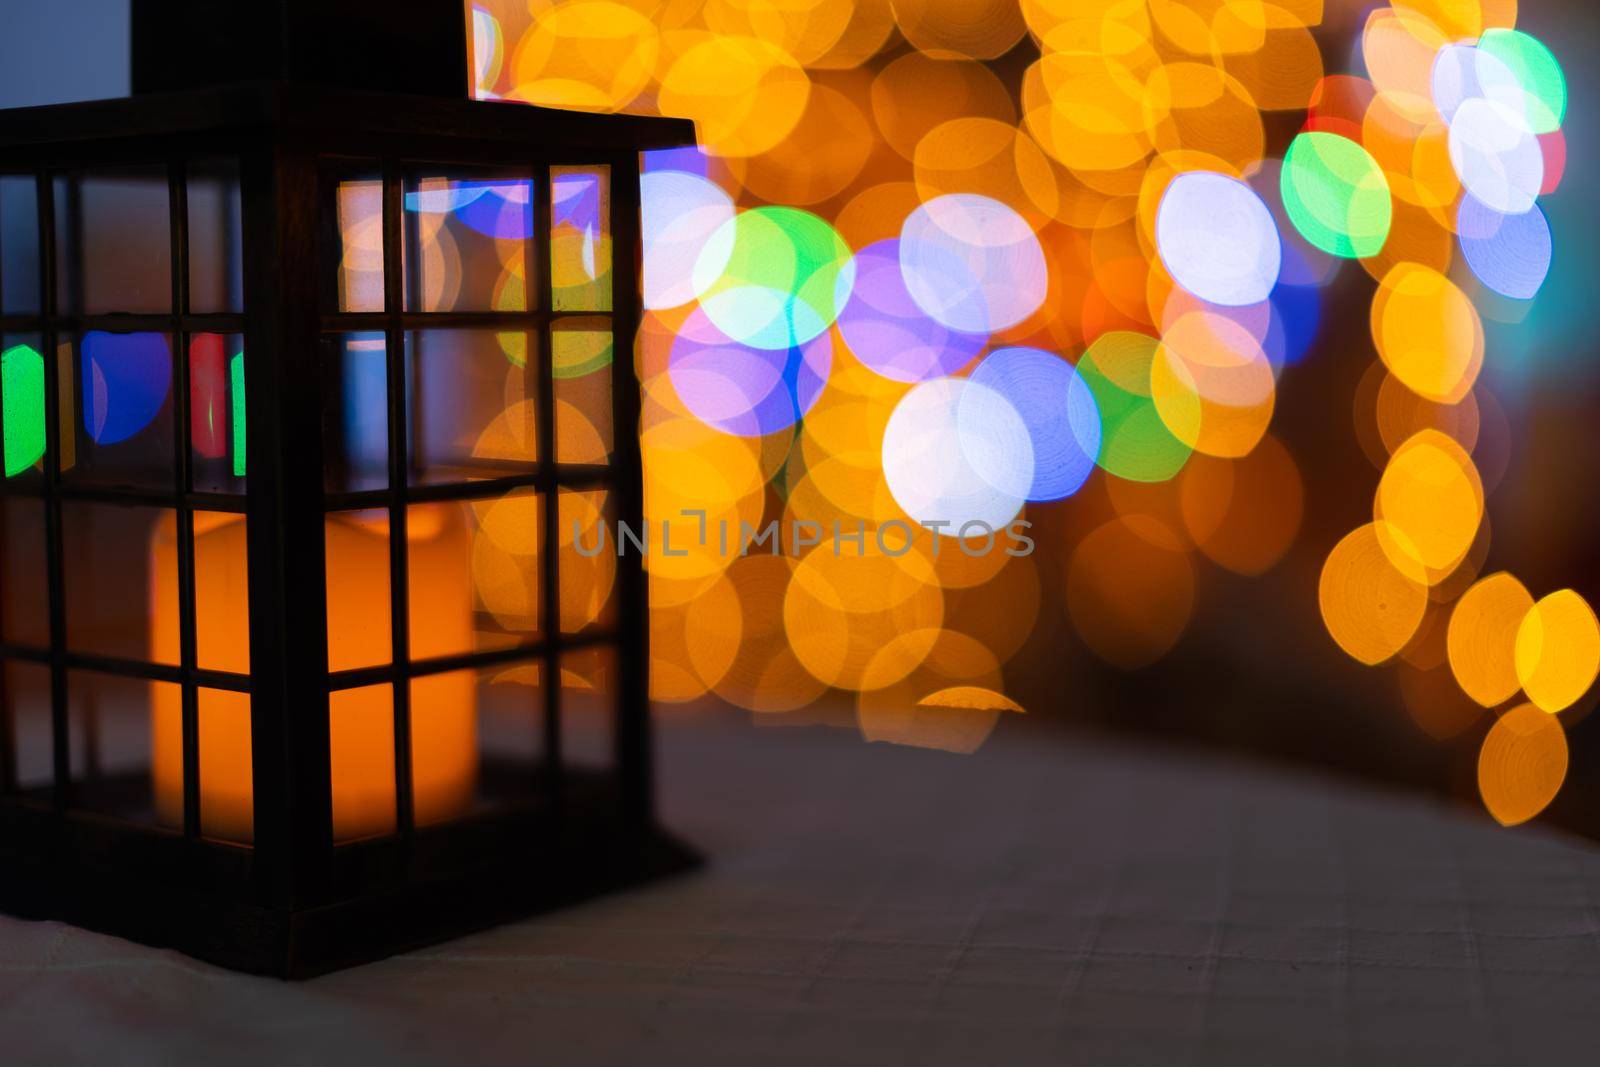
point(390, 895)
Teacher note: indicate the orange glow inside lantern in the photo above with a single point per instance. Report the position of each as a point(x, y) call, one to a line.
point(444, 742)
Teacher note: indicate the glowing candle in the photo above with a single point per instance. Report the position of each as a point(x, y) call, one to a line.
point(361, 737)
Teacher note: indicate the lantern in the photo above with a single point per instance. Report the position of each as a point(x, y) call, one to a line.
point(316, 374)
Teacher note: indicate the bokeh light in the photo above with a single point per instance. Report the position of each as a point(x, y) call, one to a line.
point(1336, 195)
point(1056, 407)
point(1537, 72)
point(972, 263)
point(1060, 263)
point(1511, 254)
point(889, 332)
point(1135, 442)
point(1213, 385)
point(1496, 156)
point(955, 452)
point(682, 212)
point(773, 277)
point(1428, 506)
point(127, 378)
point(1370, 607)
point(22, 387)
point(1427, 332)
point(1558, 650)
point(1218, 240)
point(1522, 764)
point(1482, 638)
point(591, 54)
point(1463, 72)
point(742, 389)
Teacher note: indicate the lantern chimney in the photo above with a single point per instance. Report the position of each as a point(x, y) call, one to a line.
point(416, 47)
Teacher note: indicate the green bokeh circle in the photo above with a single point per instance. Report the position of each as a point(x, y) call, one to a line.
point(1336, 195)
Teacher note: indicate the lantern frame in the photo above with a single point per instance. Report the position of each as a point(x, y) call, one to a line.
point(294, 903)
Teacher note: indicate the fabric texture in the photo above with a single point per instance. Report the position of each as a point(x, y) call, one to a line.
point(1071, 901)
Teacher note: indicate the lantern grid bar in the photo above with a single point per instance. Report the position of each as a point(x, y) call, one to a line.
point(633, 738)
point(378, 321)
point(119, 322)
point(104, 494)
point(565, 476)
point(178, 217)
point(132, 668)
point(357, 677)
point(398, 388)
point(8, 754)
point(55, 576)
point(540, 281)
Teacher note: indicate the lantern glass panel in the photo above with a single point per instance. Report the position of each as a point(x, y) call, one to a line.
point(227, 787)
point(589, 708)
point(120, 390)
point(27, 697)
point(114, 241)
point(439, 580)
point(361, 754)
point(359, 633)
point(24, 594)
point(498, 761)
point(474, 404)
point(468, 239)
point(581, 350)
point(19, 245)
point(588, 560)
point(217, 424)
point(355, 412)
point(444, 746)
point(216, 242)
point(580, 238)
point(222, 592)
point(511, 728)
point(126, 747)
point(474, 574)
point(121, 580)
point(356, 261)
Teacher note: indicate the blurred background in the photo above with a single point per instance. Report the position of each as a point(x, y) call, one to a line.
point(1270, 318)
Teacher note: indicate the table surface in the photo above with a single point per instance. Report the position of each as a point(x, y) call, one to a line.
point(1066, 900)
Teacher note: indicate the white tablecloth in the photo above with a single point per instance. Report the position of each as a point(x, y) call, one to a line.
point(1061, 900)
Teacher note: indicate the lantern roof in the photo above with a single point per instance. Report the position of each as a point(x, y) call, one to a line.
point(357, 70)
point(339, 117)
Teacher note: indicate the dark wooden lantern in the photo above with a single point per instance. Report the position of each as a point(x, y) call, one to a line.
point(306, 356)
